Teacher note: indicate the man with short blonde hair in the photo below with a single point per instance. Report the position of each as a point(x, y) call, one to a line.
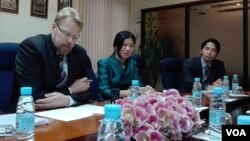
point(54, 65)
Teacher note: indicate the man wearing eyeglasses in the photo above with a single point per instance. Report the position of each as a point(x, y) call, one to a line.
point(53, 65)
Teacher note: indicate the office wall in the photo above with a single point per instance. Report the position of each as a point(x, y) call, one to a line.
point(16, 27)
point(135, 12)
point(228, 30)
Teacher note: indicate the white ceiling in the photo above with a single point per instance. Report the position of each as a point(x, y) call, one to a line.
point(217, 7)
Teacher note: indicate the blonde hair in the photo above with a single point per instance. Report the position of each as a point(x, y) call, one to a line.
point(69, 12)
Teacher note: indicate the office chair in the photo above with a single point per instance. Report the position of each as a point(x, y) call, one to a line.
point(139, 60)
point(171, 72)
point(94, 84)
point(7, 63)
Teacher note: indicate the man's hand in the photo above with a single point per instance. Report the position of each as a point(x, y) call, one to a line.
point(146, 90)
point(52, 100)
point(218, 82)
point(124, 93)
point(80, 85)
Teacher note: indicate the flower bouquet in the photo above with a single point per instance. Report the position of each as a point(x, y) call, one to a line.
point(158, 116)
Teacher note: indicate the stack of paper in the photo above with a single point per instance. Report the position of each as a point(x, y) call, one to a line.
point(201, 136)
point(201, 108)
point(10, 119)
point(72, 113)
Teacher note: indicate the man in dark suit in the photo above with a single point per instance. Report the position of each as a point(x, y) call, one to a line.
point(53, 65)
point(206, 67)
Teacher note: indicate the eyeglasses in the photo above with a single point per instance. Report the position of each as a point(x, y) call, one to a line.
point(68, 35)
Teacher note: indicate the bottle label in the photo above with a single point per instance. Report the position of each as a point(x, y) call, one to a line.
point(196, 94)
point(134, 97)
point(110, 130)
point(217, 117)
point(225, 88)
point(25, 122)
point(234, 85)
point(134, 93)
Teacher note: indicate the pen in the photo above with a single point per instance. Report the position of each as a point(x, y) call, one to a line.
point(42, 122)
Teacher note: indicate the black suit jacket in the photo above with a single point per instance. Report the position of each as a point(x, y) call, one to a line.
point(37, 66)
point(192, 68)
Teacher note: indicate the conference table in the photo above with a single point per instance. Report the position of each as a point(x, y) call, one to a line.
point(85, 129)
point(238, 106)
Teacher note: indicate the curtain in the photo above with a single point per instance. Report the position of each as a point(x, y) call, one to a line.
point(102, 20)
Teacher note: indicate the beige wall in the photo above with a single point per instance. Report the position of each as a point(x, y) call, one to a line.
point(16, 27)
point(228, 30)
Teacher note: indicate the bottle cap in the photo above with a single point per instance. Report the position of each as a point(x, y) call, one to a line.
point(26, 90)
point(112, 111)
point(235, 75)
point(135, 82)
point(225, 77)
point(243, 120)
point(197, 79)
point(218, 91)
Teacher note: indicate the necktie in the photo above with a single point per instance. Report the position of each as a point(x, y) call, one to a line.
point(206, 73)
point(63, 76)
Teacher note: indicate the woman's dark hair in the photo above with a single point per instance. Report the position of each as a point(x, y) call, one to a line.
point(119, 39)
point(215, 41)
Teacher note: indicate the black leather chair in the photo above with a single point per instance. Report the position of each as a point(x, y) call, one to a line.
point(7, 63)
point(144, 77)
point(171, 72)
point(94, 84)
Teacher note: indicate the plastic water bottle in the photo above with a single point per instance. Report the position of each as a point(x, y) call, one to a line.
point(25, 117)
point(111, 128)
point(196, 92)
point(134, 90)
point(243, 120)
point(235, 83)
point(226, 85)
point(217, 114)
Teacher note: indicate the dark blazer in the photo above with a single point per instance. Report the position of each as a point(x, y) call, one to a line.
point(37, 66)
point(192, 68)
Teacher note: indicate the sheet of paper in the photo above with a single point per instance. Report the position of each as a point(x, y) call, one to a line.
point(202, 108)
point(238, 95)
point(92, 109)
point(11, 119)
point(201, 136)
point(230, 99)
point(72, 113)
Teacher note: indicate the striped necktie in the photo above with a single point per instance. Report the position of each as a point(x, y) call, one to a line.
point(206, 73)
point(63, 76)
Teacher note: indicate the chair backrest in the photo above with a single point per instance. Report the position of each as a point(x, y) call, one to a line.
point(94, 84)
point(171, 72)
point(139, 61)
point(7, 63)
